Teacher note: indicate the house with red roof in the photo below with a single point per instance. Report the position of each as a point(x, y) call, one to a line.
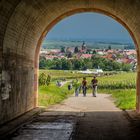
point(130, 52)
point(86, 56)
point(109, 56)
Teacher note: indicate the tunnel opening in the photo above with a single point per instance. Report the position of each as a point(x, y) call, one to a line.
point(75, 12)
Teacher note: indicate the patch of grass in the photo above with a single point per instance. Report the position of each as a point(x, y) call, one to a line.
point(124, 99)
point(52, 94)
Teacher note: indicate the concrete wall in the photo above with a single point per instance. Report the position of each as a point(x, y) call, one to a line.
point(23, 25)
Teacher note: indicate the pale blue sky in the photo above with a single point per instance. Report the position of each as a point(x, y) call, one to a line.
point(89, 26)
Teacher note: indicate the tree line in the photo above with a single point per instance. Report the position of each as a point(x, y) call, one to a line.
point(82, 64)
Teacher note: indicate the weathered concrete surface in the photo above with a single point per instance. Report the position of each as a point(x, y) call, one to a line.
point(101, 120)
point(58, 130)
point(12, 126)
point(23, 26)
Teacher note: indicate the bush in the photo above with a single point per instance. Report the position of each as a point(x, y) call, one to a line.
point(48, 80)
point(44, 79)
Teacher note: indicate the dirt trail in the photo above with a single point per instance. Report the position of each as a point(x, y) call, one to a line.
point(103, 102)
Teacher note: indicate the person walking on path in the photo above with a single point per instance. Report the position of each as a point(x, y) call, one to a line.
point(77, 87)
point(84, 86)
point(94, 82)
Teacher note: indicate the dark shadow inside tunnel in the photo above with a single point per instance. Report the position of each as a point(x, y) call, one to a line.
point(99, 125)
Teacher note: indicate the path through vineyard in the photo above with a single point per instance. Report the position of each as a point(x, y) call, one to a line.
point(81, 118)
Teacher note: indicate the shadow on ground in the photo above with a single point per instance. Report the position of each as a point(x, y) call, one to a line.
point(64, 125)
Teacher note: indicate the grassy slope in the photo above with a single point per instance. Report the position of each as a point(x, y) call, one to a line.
point(124, 98)
point(52, 94)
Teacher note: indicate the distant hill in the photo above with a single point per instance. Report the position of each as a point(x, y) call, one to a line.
point(96, 44)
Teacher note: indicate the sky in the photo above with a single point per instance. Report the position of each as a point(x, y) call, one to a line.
point(92, 26)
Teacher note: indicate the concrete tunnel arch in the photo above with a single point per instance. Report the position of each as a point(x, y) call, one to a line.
point(23, 26)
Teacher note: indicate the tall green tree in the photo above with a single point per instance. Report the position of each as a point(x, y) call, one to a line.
point(42, 63)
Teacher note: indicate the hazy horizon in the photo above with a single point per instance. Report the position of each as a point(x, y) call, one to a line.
point(90, 40)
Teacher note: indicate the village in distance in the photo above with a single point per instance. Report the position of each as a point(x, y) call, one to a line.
point(87, 57)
